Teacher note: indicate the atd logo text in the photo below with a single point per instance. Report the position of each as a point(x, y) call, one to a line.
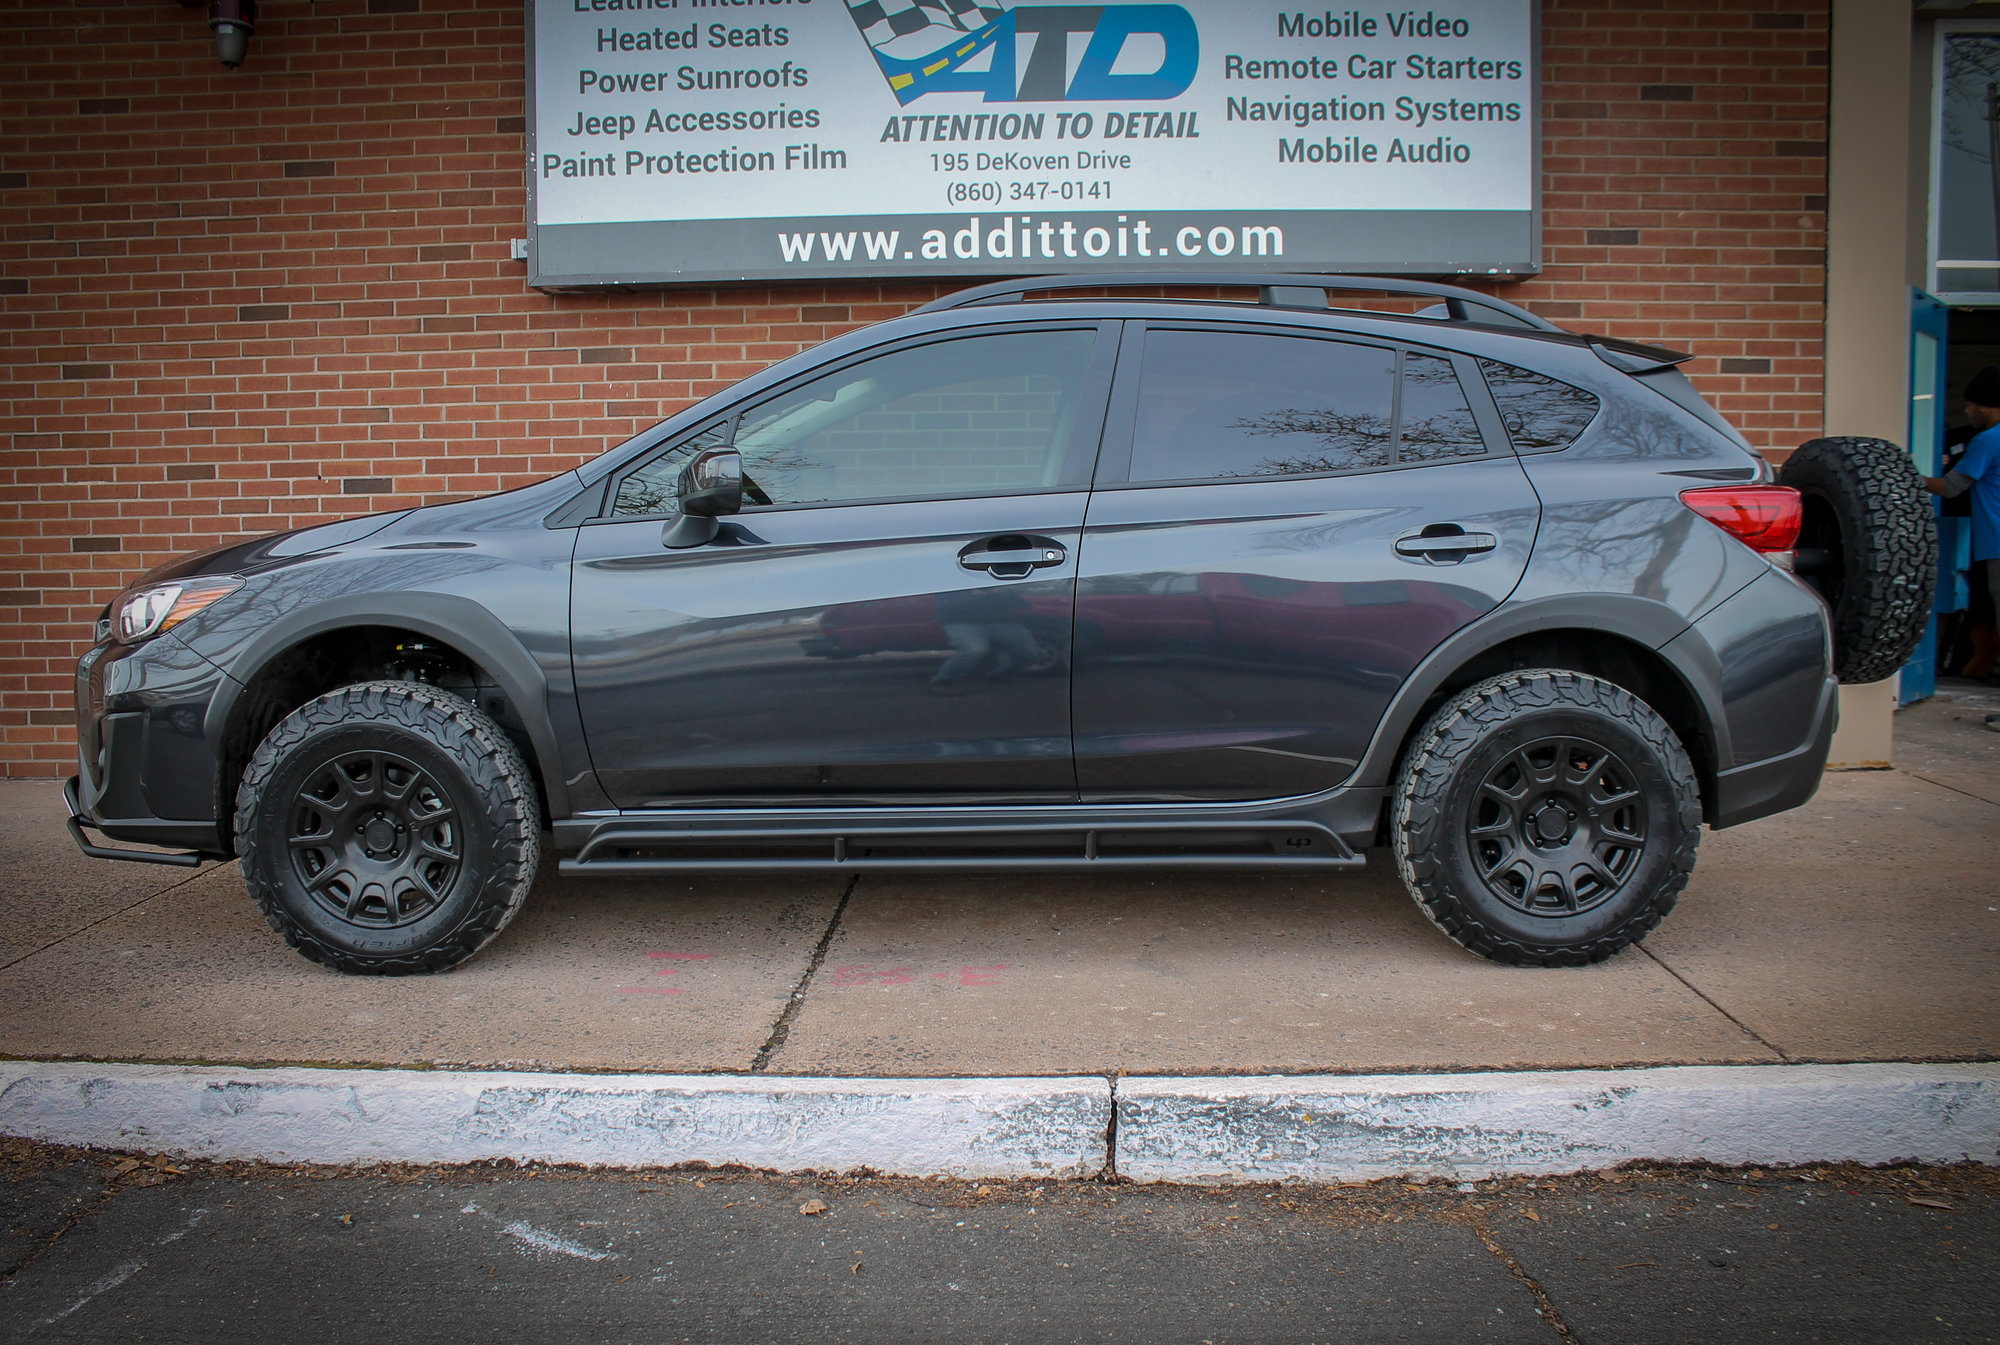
point(962, 46)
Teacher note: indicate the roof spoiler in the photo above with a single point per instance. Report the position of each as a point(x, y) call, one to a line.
point(1634, 358)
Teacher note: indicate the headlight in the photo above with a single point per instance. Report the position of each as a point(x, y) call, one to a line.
point(146, 612)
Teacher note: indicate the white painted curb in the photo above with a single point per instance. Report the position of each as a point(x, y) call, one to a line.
point(1329, 1128)
point(1320, 1128)
point(905, 1127)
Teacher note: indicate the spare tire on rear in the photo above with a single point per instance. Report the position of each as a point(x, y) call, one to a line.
point(1869, 546)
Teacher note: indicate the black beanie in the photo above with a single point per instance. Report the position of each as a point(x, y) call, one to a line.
point(1984, 387)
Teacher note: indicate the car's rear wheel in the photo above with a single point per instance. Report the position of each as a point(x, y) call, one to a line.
point(1546, 818)
point(387, 828)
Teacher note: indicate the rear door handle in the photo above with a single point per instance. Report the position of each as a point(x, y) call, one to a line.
point(1445, 544)
point(1012, 557)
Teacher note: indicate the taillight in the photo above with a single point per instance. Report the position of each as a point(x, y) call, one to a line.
point(1763, 518)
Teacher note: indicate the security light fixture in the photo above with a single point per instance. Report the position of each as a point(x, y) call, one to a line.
point(232, 22)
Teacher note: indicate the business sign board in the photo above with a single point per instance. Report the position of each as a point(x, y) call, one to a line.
point(704, 140)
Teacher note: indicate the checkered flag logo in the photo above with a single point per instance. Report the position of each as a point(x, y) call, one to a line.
point(914, 40)
point(886, 23)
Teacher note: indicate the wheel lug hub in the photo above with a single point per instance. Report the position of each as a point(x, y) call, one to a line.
point(379, 836)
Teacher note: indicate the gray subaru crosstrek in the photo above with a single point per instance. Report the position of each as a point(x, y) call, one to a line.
point(1030, 580)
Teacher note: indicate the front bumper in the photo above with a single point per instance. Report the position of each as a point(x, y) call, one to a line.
point(147, 772)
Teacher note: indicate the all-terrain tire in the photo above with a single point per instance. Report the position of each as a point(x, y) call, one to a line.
point(1571, 746)
point(423, 775)
point(1873, 532)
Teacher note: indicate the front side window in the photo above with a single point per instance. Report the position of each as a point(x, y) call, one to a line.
point(974, 415)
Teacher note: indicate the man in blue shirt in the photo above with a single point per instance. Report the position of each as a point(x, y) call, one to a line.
point(1979, 472)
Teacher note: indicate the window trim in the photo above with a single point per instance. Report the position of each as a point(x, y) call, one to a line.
point(1079, 455)
point(1122, 422)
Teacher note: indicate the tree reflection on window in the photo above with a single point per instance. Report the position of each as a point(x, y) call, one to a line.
point(1347, 440)
point(654, 488)
point(1541, 413)
point(1233, 404)
point(1436, 422)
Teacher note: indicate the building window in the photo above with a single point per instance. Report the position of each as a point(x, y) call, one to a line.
point(1965, 149)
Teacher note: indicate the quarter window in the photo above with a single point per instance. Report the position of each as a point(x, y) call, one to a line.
point(1541, 414)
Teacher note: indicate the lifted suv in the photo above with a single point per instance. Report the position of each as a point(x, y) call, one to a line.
point(1081, 583)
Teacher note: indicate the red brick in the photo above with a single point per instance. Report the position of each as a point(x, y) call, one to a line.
point(263, 294)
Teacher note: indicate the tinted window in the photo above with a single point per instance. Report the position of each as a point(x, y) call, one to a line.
point(1436, 423)
point(652, 488)
point(984, 413)
point(978, 414)
point(1223, 404)
point(1541, 414)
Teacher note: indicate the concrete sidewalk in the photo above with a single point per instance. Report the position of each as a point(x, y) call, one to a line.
point(1860, 927)
point(987, 1026)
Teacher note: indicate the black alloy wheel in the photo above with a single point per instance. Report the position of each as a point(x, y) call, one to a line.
point(1545, 818)
point(1557, 827)
point(388, 828)
point(375, 839)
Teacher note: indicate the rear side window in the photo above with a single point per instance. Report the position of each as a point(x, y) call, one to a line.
point(1542, 414)
point(1217, 405)
point(1436, 424)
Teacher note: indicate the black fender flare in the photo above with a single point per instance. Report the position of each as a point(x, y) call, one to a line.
point(1640, 621)
point(459, 622)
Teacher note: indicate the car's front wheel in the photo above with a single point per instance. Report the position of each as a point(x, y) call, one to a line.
point(1546, 818)
point(388, 828)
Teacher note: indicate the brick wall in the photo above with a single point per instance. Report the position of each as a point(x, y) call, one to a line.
point(234, 302)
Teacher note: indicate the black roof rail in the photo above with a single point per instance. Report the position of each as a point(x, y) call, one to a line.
point(1274, 290)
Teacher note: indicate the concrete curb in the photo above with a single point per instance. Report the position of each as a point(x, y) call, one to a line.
point(1331, 1128)
point(1320, 1128)
point(908, 1127)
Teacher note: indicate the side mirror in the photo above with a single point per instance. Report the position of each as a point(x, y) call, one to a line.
point(710, 486)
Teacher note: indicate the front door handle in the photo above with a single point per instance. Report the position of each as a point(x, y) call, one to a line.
point(1013, 556)
point(1445, 544)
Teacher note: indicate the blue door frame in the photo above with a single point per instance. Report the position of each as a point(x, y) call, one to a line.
point(1929, 333)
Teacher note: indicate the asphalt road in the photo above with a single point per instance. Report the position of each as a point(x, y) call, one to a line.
point(100, 1248)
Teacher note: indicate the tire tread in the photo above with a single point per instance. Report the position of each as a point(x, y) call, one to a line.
point(1436, 754)
point(1889, 532)
point(500, 779)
